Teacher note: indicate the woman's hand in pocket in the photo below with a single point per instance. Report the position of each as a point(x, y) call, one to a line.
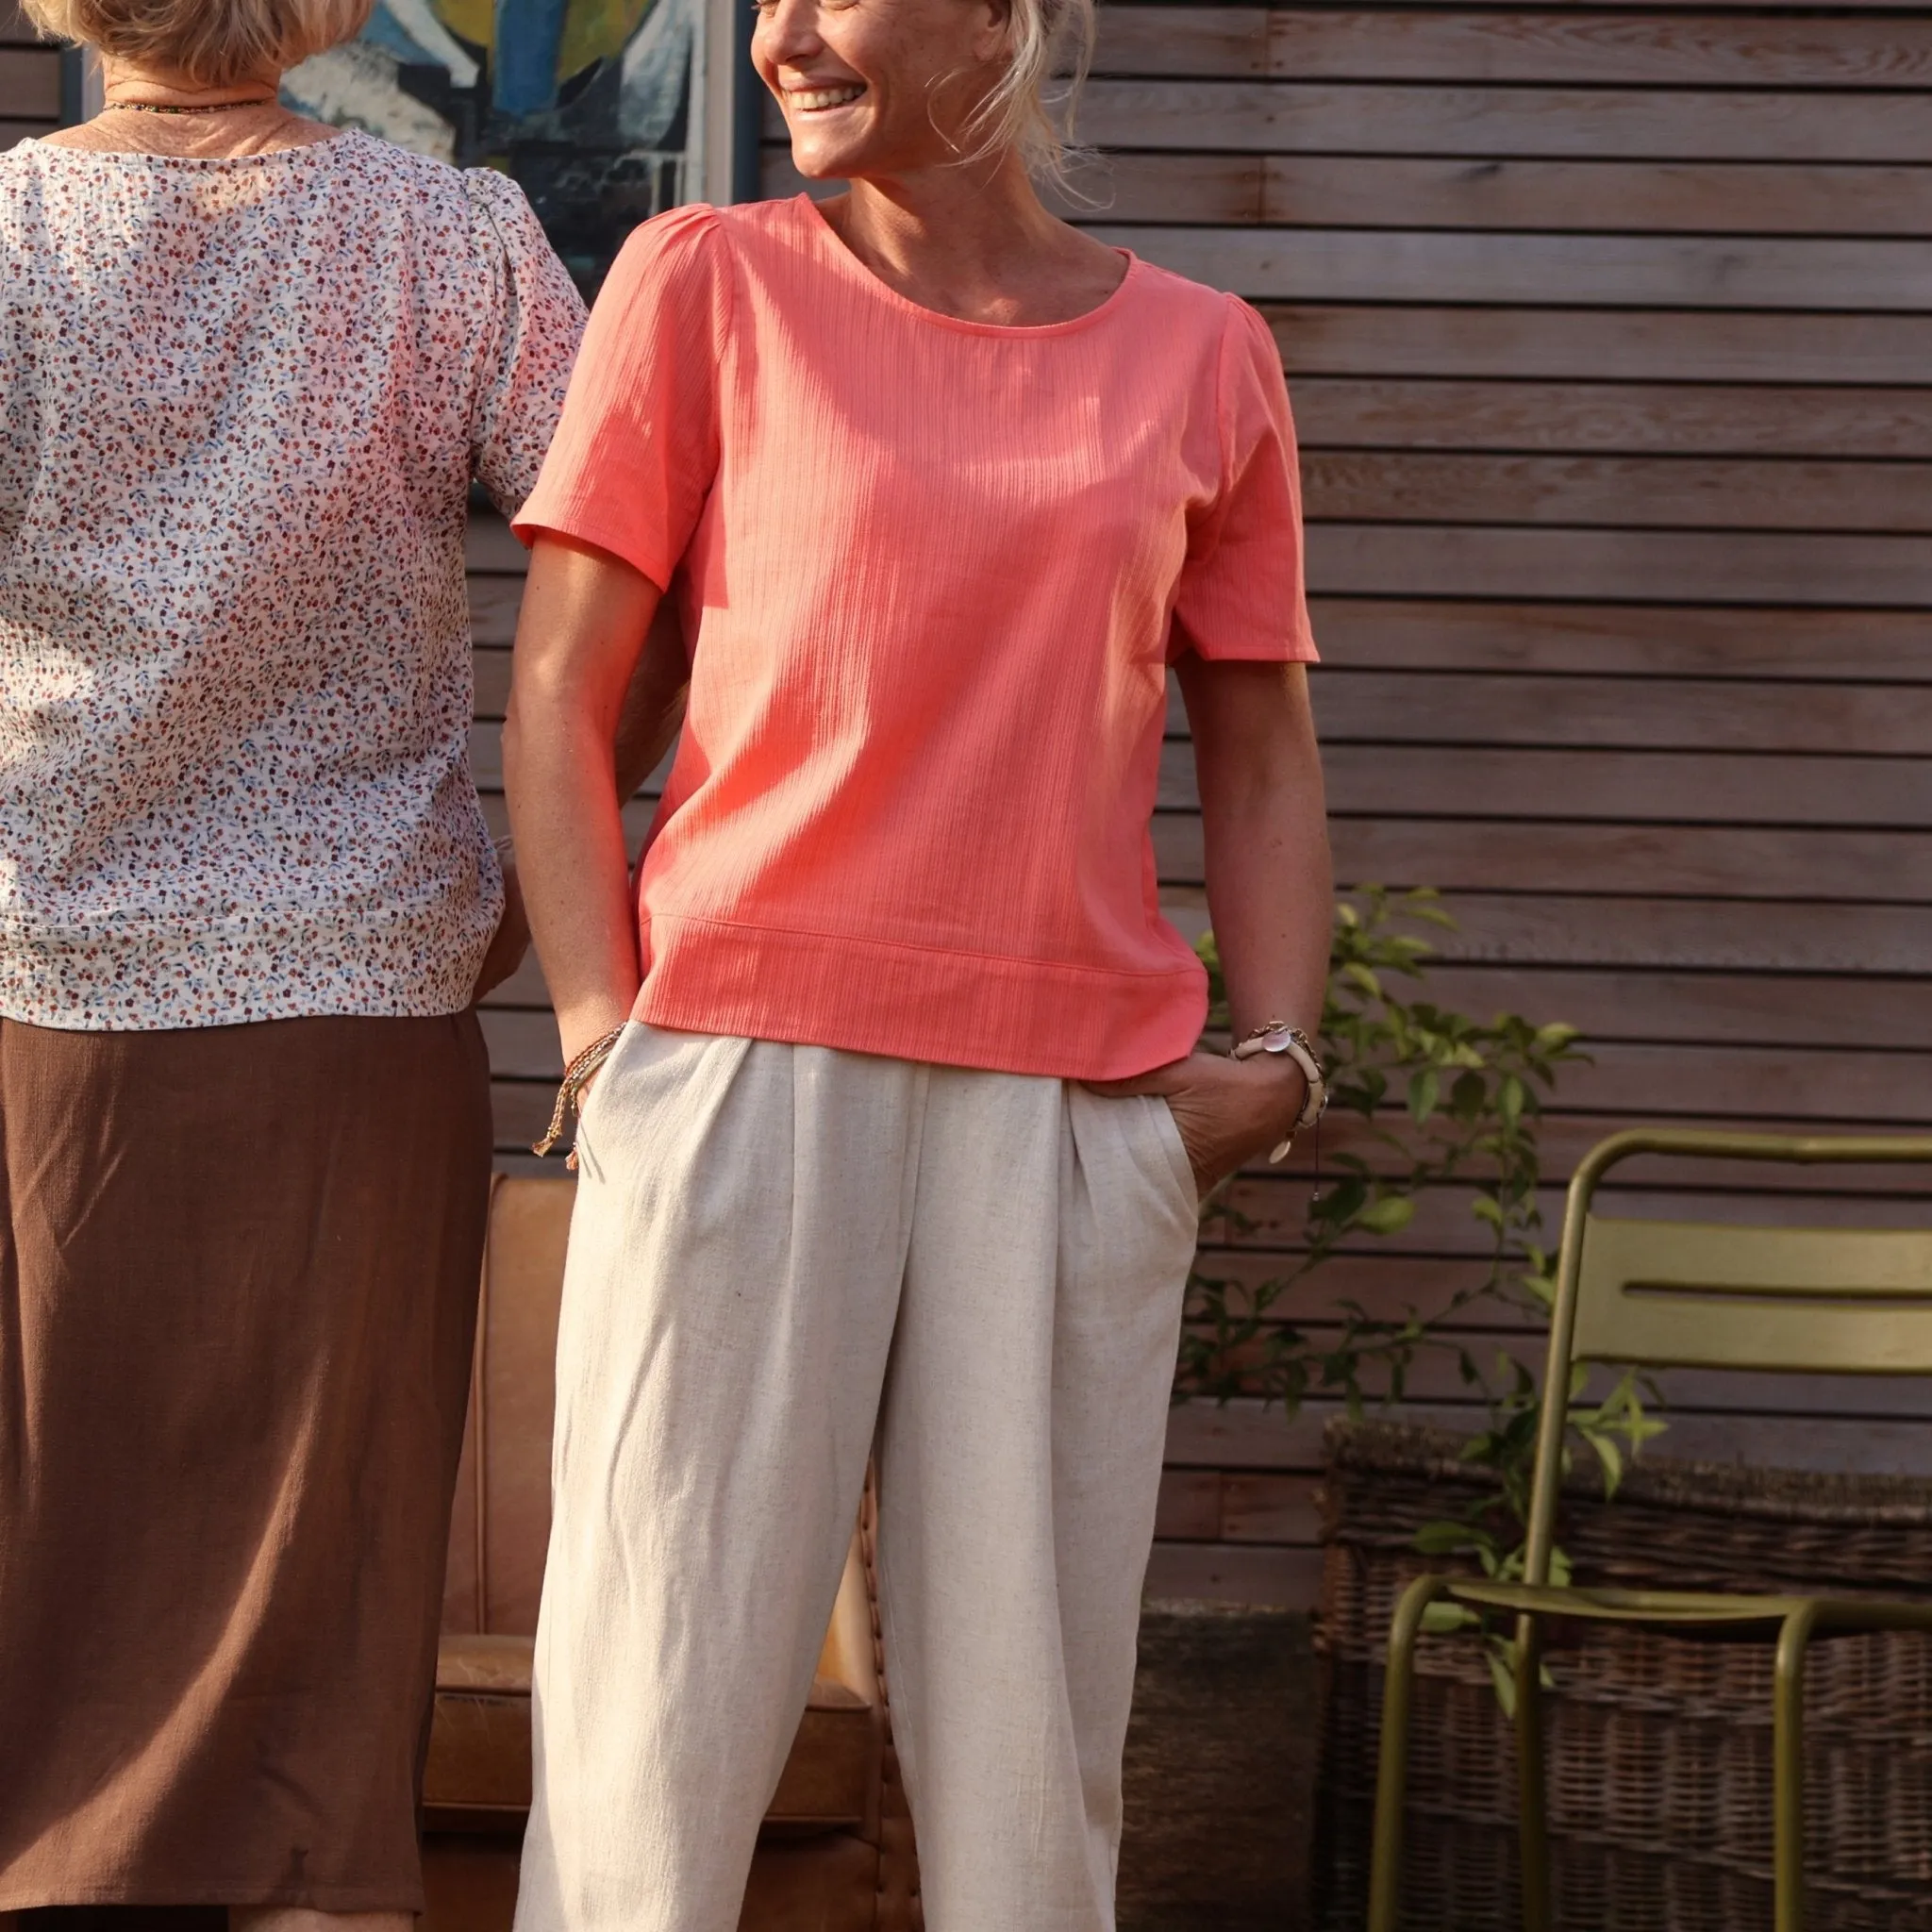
point(1227, 1110)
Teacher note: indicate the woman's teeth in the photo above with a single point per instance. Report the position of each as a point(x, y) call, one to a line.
point(813, 98)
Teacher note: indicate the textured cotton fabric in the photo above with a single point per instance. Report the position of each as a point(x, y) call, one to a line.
point(237, 1289)
point(775, 1251)
point(934, 571)
point(241, 405)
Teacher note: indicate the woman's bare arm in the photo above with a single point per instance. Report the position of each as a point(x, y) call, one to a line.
point(1264, 822)
point(580, 639)
point(654, 704)
point(1269, 896)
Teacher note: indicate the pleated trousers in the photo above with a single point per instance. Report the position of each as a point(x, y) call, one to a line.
point(786, 1259)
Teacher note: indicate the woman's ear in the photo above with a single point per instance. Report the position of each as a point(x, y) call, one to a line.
point(994, 37)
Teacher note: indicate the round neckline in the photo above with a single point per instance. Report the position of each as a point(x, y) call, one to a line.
point(850, 264)
point(130, 153)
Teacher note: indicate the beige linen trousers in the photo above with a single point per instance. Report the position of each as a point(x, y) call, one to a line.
point(785, 1259)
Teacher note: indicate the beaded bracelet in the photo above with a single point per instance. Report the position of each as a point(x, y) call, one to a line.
point(575, 1077)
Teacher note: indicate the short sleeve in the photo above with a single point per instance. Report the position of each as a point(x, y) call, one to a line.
point(540, 320)
point(1243, 591)
point(638, 448)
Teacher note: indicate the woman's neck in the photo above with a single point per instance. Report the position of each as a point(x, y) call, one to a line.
point(973, 241)
point(150, 110)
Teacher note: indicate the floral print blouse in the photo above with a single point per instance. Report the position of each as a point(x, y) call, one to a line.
point(241, 402)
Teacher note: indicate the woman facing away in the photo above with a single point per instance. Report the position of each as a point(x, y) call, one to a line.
point(898, 1139)
point(248, 368)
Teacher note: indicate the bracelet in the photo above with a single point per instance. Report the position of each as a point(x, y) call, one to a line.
point(575, 1077)
point(1277, 1035)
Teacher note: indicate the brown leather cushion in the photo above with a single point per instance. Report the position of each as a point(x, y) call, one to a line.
point(479, 1747)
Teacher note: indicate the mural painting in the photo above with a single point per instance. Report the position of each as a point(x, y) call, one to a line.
point(590, 105)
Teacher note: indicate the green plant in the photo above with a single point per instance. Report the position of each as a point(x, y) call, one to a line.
point(1426, 1099)
point(1492, 1530)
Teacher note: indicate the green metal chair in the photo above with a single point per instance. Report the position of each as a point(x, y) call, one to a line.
point(1681, 1294)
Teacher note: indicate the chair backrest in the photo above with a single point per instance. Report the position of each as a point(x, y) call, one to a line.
point(1694, 1294)
point(1810, 1300)
point(501, 1525)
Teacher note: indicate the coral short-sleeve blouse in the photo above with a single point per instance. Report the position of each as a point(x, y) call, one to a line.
point(933, 572)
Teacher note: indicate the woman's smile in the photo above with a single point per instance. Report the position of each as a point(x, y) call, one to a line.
point(819, 100)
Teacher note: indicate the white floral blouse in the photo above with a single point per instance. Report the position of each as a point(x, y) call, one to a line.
point(241, 402)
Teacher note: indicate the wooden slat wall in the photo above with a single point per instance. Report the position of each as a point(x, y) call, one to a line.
point(1606, 332)
point(29, 80)
point(1609, 342)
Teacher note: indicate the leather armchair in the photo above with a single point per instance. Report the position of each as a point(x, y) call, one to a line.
point(834, 1853)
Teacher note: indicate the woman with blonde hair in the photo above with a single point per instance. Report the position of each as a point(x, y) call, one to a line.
point(248, 370)
point(898, 1118)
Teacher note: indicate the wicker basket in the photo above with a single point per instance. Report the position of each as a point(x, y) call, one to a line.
point(1660, 1750)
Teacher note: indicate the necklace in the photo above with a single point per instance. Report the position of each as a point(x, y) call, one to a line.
point(207, 107)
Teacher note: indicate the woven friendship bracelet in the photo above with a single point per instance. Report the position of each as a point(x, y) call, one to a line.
point(574, 1075)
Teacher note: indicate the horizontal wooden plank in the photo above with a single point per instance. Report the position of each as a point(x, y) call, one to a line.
point(1585, 270)
point(1593, 49)
point(1413, 193)
point(1621, 418)
point(1715, 861)
point(490, 546)
point(1258, 1506)
point(1234, 1573)
point(1555, 928)
point(1627, 787)
point(1632, 717)
point(1639, 714)
point(1845, 646)
point(1190, 1504)
point(1797, 1090)
point(495, 601)
point(1435, 1376)
point(1626, 493)
point(1639, 566)
point(1246, 1435)
point(1496, 123)
point(1739, 1009)
point(1564, 1136)
point(1237, 1507)
point(1273, 1213)
point(1767, 1011)
point(1364, 633)
point(1676, 345)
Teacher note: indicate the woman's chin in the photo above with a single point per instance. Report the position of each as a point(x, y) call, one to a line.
point(825, 160)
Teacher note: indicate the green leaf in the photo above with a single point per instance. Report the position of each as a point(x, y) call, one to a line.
point(1504, 1677)
point(1444, 1539)
point(1390, 1215)
point(1609, 1456)
point(1444, 1620)
point(1423, 1089)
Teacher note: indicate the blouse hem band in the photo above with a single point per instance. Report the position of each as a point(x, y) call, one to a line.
point(960, 1009)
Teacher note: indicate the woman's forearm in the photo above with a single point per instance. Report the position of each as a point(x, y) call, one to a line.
point(583, 626)
point(1265, 833)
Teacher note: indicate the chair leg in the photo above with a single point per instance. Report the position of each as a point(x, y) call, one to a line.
point(1532, 1779)
point(1392, 1768)
point(1788, 1769)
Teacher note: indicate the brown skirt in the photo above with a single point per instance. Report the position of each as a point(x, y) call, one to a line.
point(237, 1289)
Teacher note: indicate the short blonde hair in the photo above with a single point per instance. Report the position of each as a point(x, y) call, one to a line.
point(1032, 108)
point(212, 43)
